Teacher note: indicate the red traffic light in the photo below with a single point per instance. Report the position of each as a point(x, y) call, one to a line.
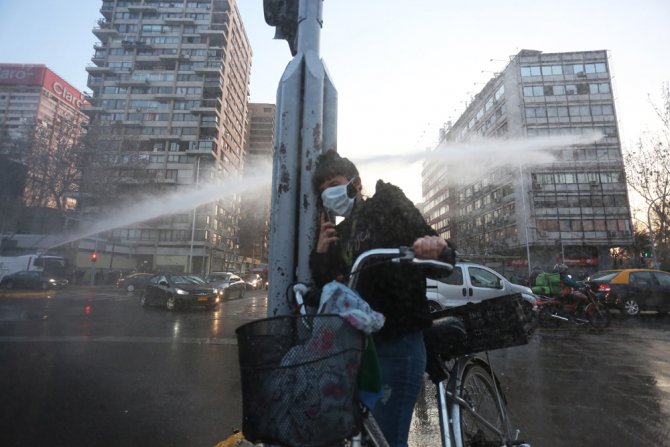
point(94, 257)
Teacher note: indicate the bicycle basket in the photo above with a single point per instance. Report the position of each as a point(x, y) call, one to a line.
point(490, 324)
point(299, 379)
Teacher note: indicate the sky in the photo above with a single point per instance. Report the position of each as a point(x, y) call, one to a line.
point(402, 69)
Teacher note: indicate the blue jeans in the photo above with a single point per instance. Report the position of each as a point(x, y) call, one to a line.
point(402, 361)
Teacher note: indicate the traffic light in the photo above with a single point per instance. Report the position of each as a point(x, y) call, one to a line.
point(645, 254)
point(94, 257)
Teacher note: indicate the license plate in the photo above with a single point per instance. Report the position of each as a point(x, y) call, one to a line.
point(203, 298)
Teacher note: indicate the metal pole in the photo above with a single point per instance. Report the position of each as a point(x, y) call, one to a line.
point(305, 126)
point(525, 219)
point(190, 253)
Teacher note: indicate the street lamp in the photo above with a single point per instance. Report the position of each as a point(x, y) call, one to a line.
point(525, 219)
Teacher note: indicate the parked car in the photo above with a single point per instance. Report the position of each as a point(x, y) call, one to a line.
point(134, 281)
point(471, 282)
point(178, 291)
point(228, 284)
point(31, 279)
point(633, 290)
point(254, 281)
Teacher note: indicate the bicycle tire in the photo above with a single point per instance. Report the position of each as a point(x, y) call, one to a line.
point(478, 388)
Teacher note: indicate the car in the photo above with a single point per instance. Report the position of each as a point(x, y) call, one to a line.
point(31, 279)
point(254, 281)
point(228, 284)
point(470, 282)
point(178, 291)
point(633, 290)
point(134, 281)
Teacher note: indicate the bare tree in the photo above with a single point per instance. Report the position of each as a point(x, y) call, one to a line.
point(648, 174)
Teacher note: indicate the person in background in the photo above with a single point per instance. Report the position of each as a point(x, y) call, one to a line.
point(386, 220)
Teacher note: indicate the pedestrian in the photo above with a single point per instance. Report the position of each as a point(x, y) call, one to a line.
point(387, 219)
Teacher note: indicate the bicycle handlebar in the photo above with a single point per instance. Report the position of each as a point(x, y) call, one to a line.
point(398, 256)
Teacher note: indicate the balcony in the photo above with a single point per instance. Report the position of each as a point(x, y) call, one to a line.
point(179, 21)
point(105, 30)
point(208, 107)
point(143, 8)
point(209, 68)
point(96, 69)
point(132, 82)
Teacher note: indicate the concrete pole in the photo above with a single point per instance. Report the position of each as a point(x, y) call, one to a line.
point(306, 125)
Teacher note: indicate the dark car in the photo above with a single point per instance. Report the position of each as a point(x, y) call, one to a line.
point(134, 281)
point(228, 284)
point(30, 279)
point(178, 291)
point(634, 290)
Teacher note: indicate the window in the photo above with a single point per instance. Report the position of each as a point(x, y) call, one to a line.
point(596, 89)
point(483, 278)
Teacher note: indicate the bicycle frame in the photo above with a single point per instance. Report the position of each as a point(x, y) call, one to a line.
point(450, 405)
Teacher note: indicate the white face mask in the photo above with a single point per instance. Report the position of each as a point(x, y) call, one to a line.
point(337, 198)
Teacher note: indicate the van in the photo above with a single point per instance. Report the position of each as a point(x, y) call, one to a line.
point(472, 283)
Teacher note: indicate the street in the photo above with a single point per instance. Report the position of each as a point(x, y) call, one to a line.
point(91, 367)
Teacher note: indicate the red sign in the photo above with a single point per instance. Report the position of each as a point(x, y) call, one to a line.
point(13, 74)
point(64, 91)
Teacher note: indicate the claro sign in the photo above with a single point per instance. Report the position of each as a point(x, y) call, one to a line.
point(41, 75)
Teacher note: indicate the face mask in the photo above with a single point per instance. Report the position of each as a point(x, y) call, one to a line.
point(340, 199)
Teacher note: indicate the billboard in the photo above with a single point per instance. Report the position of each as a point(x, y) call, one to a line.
point(40, 75)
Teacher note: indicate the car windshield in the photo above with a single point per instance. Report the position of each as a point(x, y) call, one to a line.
point(608, 276)
point(188, 279)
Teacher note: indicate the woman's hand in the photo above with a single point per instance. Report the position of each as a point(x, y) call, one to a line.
point(327, 234)
point(429, 247)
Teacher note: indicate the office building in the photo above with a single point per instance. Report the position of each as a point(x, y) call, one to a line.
point(254, 230)
point(573, 208)
point(170, 88)
point(40, 124)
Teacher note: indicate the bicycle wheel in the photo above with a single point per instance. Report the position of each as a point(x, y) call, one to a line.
point(478, 391)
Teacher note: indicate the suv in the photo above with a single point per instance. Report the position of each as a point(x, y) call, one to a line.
point(473, 283)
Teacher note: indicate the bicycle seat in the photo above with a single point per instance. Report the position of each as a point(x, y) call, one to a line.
point(445, 339)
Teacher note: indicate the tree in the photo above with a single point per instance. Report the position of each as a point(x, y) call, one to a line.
point(648, 174)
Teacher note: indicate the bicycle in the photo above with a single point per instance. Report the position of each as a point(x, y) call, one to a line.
point(472, 407)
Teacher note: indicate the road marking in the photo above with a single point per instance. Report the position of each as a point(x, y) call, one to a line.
point(115, 339)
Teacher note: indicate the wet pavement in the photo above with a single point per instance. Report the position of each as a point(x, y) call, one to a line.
point(582, 388)
point(90, 367)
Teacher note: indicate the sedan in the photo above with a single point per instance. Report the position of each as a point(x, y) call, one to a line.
point(228, 284)
point(634, 290)
point(29, 279)
point(134, 281)
point(178, 291)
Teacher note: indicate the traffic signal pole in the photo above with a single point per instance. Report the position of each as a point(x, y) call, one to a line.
point(306, 125)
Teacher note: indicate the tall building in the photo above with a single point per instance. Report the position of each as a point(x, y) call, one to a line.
point(40, 124)
point(573, 209)
point(254, 231)
point(170, 88)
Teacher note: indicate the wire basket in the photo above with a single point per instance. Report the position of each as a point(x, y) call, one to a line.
point(490, 324)
point(299, 380)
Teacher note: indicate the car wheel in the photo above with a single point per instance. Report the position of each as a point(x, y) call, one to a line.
point(171, 303)
point(9, 284)
point(631, 307)
point(130, 288)
point(433, 306)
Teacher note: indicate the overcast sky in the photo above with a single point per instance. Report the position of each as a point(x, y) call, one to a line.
point(401, 68)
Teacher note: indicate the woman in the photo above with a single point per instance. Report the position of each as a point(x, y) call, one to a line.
point(386, 220)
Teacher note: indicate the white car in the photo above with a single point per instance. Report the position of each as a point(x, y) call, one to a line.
point(472, 283)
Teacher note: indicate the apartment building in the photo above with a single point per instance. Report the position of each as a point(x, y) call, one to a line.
point(40, 124)
point(170, 88)
point(573, 208)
